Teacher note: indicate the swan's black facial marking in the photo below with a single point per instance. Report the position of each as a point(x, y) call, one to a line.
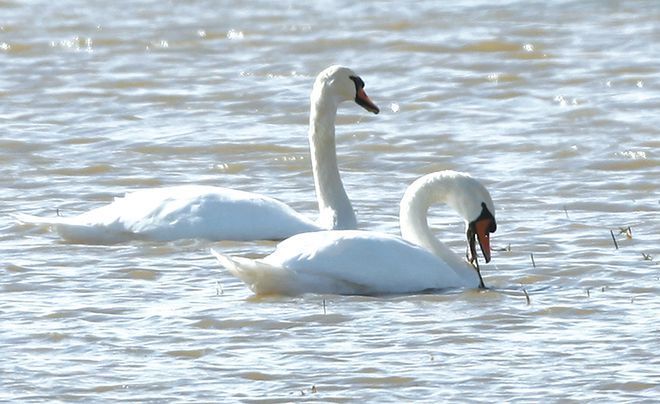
point(359, 83)
point(485, 214)
point(361, 97)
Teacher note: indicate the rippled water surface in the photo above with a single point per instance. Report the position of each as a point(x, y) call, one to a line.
point(552, 104)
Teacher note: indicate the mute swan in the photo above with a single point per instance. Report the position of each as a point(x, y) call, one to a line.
point(215, 213)
point(364, 262)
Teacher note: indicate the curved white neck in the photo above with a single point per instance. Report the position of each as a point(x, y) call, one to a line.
point(335, 209)
point(413, 219)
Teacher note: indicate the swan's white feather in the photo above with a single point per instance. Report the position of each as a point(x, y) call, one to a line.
point(187, 211)
point(346, 262)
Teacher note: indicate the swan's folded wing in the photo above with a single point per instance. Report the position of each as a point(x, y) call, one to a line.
point(370, 262)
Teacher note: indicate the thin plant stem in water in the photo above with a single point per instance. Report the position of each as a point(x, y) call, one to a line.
point(614, 239)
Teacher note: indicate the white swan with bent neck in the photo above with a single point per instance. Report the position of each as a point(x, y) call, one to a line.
point(371, 263)
point(216, 213)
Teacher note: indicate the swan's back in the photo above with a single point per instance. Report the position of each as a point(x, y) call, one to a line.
point(212, 213)
point(187, 211)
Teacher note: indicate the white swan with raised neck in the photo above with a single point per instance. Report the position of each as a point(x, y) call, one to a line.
point(216, 213)
point(364, 262)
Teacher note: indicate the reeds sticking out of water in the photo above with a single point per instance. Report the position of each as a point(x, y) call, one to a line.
point(622, 230)
point(529, 301)
point(616, 245)
point(313, 390)
point(627, 231)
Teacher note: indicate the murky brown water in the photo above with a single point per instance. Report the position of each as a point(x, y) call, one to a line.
point(554, 105)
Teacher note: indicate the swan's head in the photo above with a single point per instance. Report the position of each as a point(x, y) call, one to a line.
point(343, 84)
point(462, 193)
point(473, 202)
point(470, 199)
point(479, 230)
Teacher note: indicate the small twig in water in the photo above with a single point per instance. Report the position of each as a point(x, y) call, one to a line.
point(324, 311)
point(588, 292)
point(566, 212)
point(313, 390)
point(533, 263)
point(627, 231)
point(647, 257)
point(614, 239)
point(529, 301)
point(57, 212)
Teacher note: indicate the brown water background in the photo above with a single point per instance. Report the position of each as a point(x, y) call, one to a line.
point(554, 105)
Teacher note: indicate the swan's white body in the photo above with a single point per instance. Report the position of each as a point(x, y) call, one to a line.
point(182, 212)
point(362, 262)
point(346, 262)
point(216, 213)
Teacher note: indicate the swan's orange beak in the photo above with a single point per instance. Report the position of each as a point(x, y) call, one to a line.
point(482, 231)
point(362, 99)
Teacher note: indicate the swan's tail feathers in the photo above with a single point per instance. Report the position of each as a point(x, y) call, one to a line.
point(247, 270)
point(23, 218)
point(260, 277)
point(74, 230)
point(230, 263)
